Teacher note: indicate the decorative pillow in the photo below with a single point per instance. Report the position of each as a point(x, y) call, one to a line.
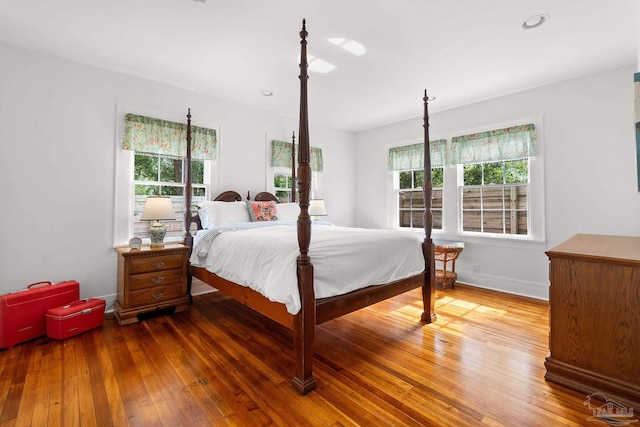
point(288, 211)
point(214, 214)
point(262, 211)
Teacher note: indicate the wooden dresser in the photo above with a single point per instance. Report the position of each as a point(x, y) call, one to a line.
point(151, 279)
point(594, 300)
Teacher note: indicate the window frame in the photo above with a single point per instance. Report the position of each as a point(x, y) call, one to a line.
point(174, 228)
point(452, 176)
point(398, 209)
point(316, 178)
point(536, 189)
point(272, 171)
point(123, 206)
point(503, 210)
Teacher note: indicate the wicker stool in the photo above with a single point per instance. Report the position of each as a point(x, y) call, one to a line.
point(446, 251)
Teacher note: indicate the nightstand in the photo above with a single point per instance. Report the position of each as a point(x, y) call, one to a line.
point(151, 279)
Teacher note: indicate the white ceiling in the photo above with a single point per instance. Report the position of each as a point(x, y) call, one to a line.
point(461, 51)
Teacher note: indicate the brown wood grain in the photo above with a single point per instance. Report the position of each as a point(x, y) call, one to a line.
point(480, 363)
point(595, 327)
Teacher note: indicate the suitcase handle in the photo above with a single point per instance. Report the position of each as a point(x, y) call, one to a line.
point(38, 285)
point(80, 301)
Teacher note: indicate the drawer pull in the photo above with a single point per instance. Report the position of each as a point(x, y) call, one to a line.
point(158, 264)
point(158, 279)
point(158, 295)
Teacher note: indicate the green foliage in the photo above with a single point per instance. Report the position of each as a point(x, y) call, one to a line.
point(197, 172)
point(437, 177)
point(503, 172)
point(406, 179)
point(145, 168)
point(516, 171)
point(147, 190)
point(473, 174)
point(170, 169)
point(493, 173)
point(415, 178)
point(281, 181)
point(155, 168)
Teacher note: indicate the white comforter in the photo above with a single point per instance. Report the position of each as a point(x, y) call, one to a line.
point(263, 257)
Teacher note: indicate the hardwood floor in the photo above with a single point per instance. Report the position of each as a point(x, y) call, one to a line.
point(481, 363)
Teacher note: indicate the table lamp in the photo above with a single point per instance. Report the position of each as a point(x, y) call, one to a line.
point(317, 208)
point(157, 209)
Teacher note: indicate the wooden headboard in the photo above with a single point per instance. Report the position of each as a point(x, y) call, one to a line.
point(265, 196)
point(233, 196)
point(228, 196)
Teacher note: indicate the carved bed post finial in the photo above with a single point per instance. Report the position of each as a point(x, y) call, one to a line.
point(429, 286)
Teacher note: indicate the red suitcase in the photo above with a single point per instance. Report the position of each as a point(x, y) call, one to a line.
point(22, 312)
point(75, 318)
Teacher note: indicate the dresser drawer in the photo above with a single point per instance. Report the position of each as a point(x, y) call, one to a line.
point(152, 296)
point(157, 278)
point(155, 263)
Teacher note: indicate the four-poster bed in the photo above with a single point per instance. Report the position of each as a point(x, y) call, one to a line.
point(315, 310)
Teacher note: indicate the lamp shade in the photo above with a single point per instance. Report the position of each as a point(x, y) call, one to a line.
point(317, 207)
point(157, 209)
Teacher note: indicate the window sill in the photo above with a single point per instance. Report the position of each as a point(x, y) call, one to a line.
point(495, 240)
point(487, 240)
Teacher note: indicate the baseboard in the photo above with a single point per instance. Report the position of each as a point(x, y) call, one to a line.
point(507, 285)
point(109, 302)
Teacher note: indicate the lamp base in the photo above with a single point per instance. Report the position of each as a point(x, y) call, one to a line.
point(157, 231)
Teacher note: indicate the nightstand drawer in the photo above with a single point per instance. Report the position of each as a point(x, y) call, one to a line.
point(155, 263)
point(156, 278)
point(157, 295)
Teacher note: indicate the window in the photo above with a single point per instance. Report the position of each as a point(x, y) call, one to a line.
point(151, 162)
point(494, 197)
point(282, 184)
point(407, 164)
point(281, 164)
point(411, 200)
point(154, 175)
point(494, 188)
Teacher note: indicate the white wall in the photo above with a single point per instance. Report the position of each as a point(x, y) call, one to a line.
point(58, 140)
point(590, 172)
point(57, 147)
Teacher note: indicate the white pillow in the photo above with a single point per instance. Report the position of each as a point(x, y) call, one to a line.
point(288, 211)
point(214, 214)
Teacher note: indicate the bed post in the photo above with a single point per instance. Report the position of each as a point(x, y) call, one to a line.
point(293, 167)
point(305, 321)
point(429, 285)
point(188, 238)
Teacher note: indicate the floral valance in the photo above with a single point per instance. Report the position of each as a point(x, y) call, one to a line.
point(412, 156)
point(156, 136)
point(281, 156)
point(514, 142)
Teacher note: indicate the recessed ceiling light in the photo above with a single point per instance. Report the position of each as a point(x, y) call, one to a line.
point(535, 21)
point(267, 92)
